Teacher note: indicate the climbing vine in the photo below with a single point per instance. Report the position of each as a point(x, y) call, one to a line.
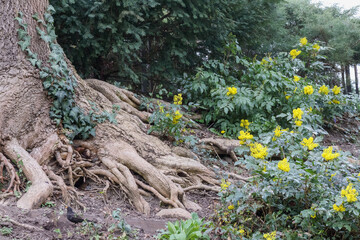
point(59, 81)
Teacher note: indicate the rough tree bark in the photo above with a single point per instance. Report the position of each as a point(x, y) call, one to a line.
point(348, 79)
point(343, 78)
point(126, 155)
point(356, 79)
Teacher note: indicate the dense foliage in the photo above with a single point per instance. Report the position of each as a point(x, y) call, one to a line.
point(152, 43)
point(156, 41)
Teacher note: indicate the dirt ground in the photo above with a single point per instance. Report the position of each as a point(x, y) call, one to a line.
point(53, 223)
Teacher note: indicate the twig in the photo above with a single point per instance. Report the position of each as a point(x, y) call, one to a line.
point(335, 126)
point(24, 225)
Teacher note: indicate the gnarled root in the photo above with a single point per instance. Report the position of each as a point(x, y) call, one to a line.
point(60, 182)
point(220, 146)
point(125, 99)
point(41, 186)
point(14, 178)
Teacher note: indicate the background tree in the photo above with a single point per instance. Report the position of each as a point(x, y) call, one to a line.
point(155, 42)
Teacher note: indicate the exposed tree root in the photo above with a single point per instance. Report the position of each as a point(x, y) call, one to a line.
point(41, 186)
point(125, 99)
point(238, 177)
point(14, 178)
point(205, 187)
point(60, 182)
point(221, 146)
point(123, 154)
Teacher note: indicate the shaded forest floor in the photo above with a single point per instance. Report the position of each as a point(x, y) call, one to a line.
point(52, 221)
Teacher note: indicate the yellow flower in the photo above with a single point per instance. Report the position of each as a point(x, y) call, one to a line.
point(324, 90)
point(245, 123)
point(287, 97)
point(178, 99)
point(297, 113)
point(336, 90)
point(277, 132)
point(244, 136)
point(332, 175)
point(241, 231)
point(294, 53)
point(303, 41)
point(231, 207)
point(284, 165)
point(308, 90)
point(298, 123)
point(177, 116)
point(264, 169)
point(310, 109)
point(264, 62)
point(222, 131)
point(231, 91)
point(224, 185)
point(336, 101)
point(313, 216)
point(316, 47)
point(328, 155)
point(309, 143)
point(350, 193)
point(161, 109)
point(295, 90)
point(270, 236)
point(258, 150)
point(340, 208)
point(296, 78)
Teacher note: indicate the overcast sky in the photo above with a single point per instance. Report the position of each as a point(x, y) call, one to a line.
point(346, 4)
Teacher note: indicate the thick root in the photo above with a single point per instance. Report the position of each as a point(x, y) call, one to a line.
point(220, 146)
point(60, 182)
point(127, 181)
point(125, 99)
point(41, 186)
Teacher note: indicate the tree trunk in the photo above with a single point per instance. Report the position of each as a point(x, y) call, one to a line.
point(343, 78)
point(125, 154)
point(24, 108)
point(348, 79)
point(356, 79)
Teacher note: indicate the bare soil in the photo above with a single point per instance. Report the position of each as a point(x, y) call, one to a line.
point(54, 225)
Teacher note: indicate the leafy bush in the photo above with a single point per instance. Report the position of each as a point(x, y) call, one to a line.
point(298, 189)
point(265, 90)
point(153, 41)
point(191, 229)
point(169, 121)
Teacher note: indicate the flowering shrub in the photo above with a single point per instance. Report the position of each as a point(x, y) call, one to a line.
point(170, 122)
point(263, 91)
point(298, 189)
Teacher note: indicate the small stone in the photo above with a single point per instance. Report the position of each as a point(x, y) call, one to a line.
point(178, 213)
